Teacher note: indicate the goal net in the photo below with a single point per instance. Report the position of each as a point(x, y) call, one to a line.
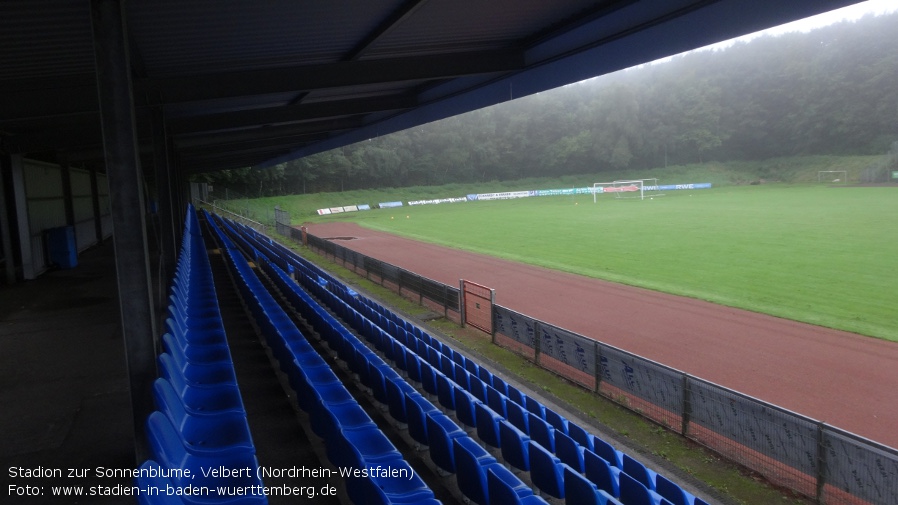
point(832, 176)
point(635, 188)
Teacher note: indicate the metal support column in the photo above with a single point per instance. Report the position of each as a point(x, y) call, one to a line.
point(168, 230)
point(6, 225)
point(20, 201)
point(95, 205)
point(128, 211)
point(68, 201)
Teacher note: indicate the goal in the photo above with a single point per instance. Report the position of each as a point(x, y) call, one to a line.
point(635, 188)
point(832, 176)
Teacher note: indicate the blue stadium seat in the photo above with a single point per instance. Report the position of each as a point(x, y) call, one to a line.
point(422, 349)
point(473, 462)
point(578, 489)
point(583, 437)
point(429, 378)
point(638, 471)
point(569, 451)
point(477, 387)
point(546, 470)
point(486, 376)
point(514, 444)
point(379, 488)
point(445, 391)
point(377, 379)
point(458, 357)
point(633, 492)
point(500, 385)
point(487, 422)
point(557, 420)
point(356, 448)
point(199, 353)
point(541, 432)
point(204, 434)
point(413, 366)
point(398, 355)
point(440, 433)
point(496, 401)
point(503, 487)
point(515, 395)
point(396, 392)
point(673, 492)
point(166, 448)
point(517, 416)
point(472, 366)
point(197, 374)
point(434, 357)
point(447, 366)
point(461, 377)
point(601, 473)
point(328, 399)
point(304, 385)
point(464, 406)
point(205, 400)
point(417, 408)
point(608, 453)
point(534, 406)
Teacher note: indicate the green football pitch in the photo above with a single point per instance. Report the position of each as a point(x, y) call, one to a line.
point(822, 255)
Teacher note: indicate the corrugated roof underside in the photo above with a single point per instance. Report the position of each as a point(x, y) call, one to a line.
point(207, 36)
point(44, 38)
point(468, 25)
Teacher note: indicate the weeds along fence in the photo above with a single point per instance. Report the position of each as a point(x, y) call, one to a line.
point(816, 460)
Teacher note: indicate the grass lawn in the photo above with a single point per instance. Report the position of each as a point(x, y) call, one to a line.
point(823, 255)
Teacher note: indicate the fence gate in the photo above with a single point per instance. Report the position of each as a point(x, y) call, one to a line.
point(282, 221)
point(477, 305)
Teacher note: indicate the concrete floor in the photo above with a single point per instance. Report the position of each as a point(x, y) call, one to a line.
point(63, 382)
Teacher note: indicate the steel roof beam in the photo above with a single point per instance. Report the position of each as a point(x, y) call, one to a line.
point(273, 132)
point(331, 75)
point(289, 114)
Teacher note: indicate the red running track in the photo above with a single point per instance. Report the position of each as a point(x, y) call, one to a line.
point(846, 380)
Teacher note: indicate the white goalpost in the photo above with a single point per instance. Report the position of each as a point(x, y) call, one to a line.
point(832, 176)
point(634, 188)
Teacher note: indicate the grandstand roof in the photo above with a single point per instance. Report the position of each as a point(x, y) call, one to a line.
point(250, 83)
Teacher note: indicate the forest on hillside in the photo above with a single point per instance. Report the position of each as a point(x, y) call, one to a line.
point(831, 91)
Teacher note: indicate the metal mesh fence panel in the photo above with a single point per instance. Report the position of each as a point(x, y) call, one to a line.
point(514, 331)
point(650, 381)
point(855, 469)
point(775, 442)
point(390, 274)
point(568, 354)
point(445, 295)
point(374, 267)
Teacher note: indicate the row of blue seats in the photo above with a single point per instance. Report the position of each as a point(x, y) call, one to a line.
point(480, 477)
point(352, 439)
point(508, 412)
point(482, 481)
point(200, 421)
point(436, 376)
point(503, 410)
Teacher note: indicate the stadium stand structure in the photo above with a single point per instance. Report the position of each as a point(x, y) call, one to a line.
point(487, 440)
